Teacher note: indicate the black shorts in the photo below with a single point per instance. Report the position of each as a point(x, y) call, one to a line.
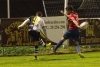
point(34, 34)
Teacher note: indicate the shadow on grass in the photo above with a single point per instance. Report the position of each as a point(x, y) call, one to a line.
point(54, 59)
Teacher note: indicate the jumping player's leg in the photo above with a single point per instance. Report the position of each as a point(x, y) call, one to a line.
point(76, 38)
point(77, 46)
point(41, 42)
point(59, 44)
point(65, 36)
point(78, 49)
point(36, 49)
point(35, 35)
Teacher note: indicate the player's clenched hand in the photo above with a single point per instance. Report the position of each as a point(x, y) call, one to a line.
point(18, 27)
point(61, 11)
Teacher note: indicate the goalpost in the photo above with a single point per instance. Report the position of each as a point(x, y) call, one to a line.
point(52, 7)
point(52, 14)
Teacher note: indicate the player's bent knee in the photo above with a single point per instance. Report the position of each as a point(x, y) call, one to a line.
point(76, 43)
point(63, 38)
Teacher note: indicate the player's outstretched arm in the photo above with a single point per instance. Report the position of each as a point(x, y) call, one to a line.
point(26, 21)
point(63, 13)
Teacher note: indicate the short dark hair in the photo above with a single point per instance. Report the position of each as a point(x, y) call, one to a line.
point(70, 8)
point(39, 13)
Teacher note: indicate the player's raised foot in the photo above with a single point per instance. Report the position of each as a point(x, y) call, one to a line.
point(48, 45)
point(81, 55)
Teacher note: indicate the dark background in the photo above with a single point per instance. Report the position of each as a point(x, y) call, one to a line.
point(21, 8)
point(26, 8)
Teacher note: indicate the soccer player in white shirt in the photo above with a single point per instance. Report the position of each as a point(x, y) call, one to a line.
point(35, 23)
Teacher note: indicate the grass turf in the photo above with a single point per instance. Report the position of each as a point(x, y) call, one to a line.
point(92, 59)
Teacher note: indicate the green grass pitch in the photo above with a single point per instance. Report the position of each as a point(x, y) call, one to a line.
point(92, 59)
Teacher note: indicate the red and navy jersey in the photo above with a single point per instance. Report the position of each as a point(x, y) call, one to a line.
point(72, 16)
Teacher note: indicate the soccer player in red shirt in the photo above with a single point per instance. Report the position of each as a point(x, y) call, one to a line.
point(73, 30)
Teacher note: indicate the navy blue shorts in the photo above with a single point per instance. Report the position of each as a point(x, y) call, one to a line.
point(74, 34)
point(35, 35)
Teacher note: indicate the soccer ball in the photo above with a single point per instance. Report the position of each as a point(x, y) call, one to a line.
point(84, 25)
